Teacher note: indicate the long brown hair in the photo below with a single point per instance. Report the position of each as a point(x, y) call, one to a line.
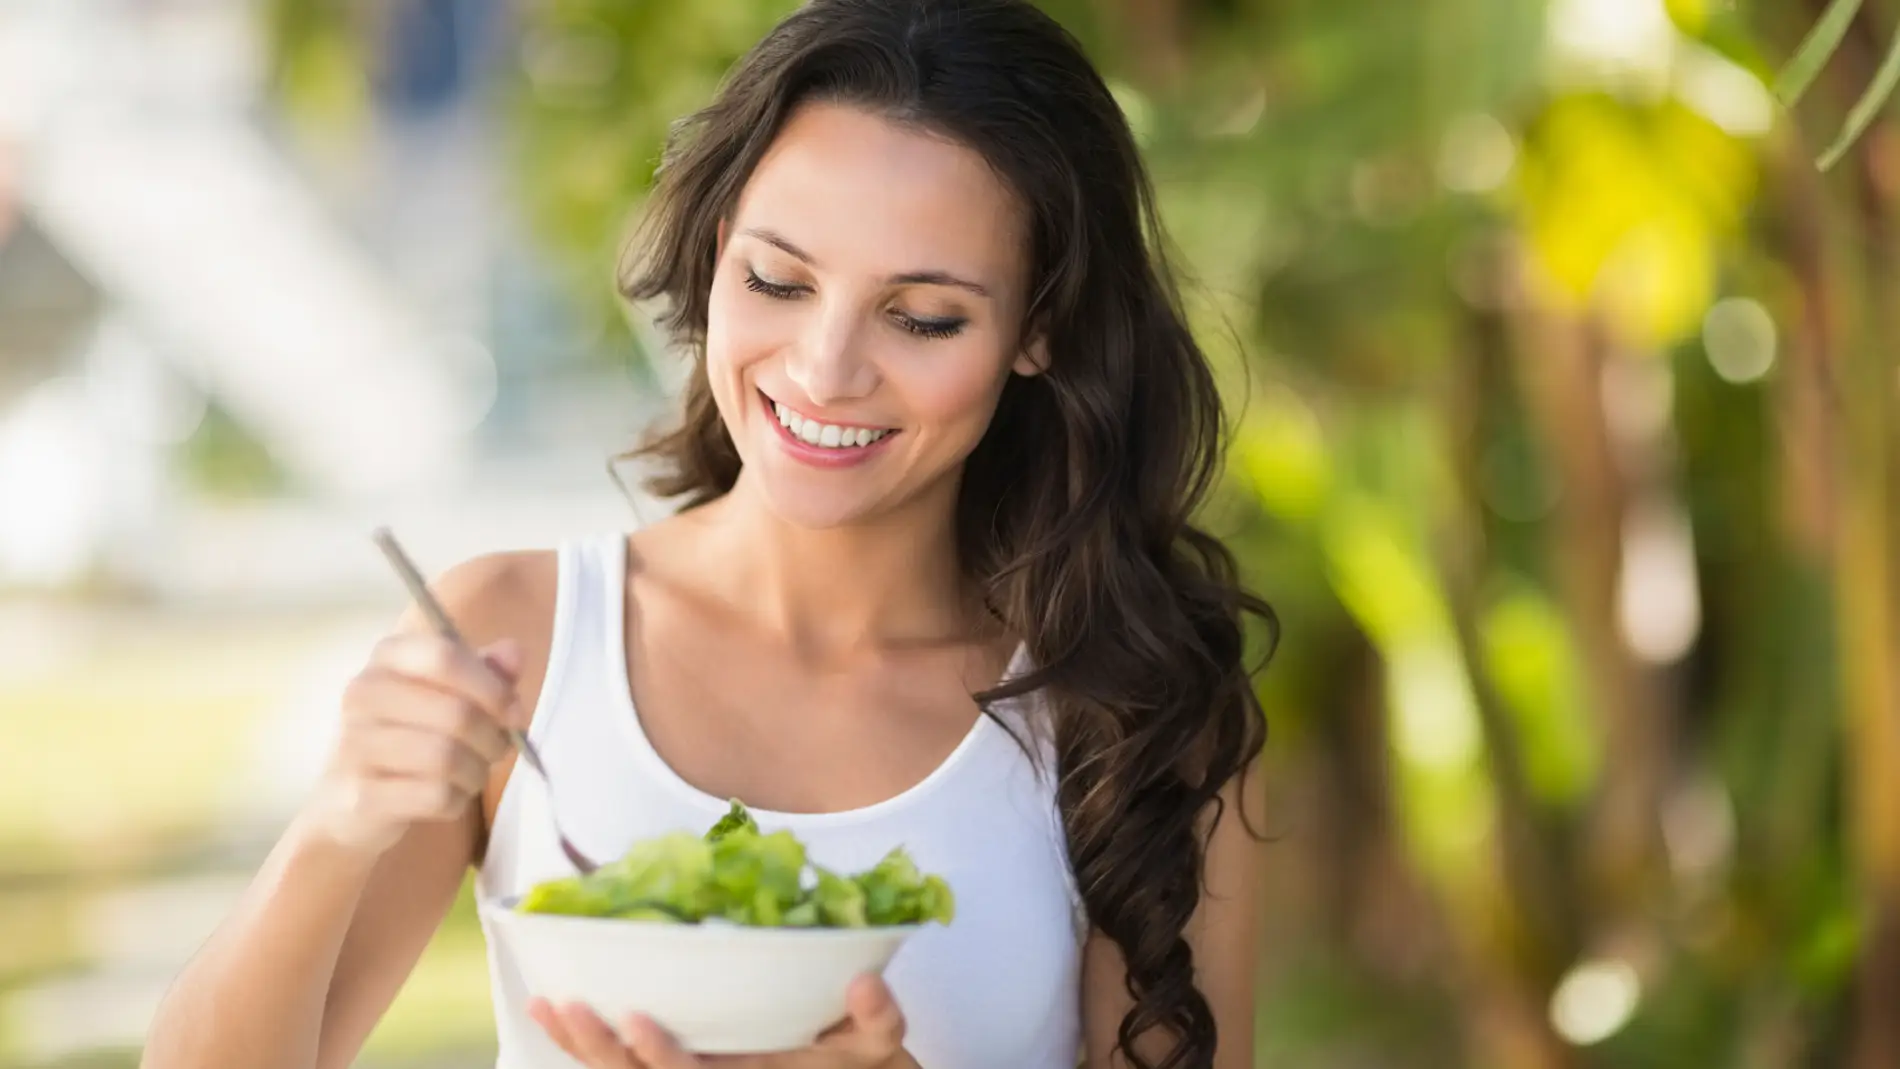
point(1074, 510)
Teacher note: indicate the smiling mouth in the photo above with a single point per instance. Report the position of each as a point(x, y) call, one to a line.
point(822, 435)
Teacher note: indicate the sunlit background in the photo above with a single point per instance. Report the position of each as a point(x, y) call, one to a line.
point(1563, 382)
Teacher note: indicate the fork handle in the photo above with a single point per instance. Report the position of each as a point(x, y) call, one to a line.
point(439, 620)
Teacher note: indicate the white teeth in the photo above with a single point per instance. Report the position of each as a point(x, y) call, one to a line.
point(824, 434)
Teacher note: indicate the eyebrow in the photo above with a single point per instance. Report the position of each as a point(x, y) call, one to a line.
point(908, 278)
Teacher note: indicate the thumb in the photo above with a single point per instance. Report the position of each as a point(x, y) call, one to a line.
point(504, 657)
point(876, 1021)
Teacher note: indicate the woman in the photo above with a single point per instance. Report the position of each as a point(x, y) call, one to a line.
point(946, 427)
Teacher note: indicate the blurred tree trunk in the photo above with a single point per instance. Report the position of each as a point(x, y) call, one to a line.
point(1532, 867)
point(1807, 405)
point(1865, 584)
point(1530, 941)
point(1863, 449)
point(1360, 826)
point(1562, 366)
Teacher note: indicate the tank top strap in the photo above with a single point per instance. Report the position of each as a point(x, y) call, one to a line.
point(589, 603)
point(589, 606)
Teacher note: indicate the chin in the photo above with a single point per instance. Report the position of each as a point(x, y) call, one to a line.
point(816, 511)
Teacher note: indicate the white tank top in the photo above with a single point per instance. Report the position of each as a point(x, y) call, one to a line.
point(998, 987)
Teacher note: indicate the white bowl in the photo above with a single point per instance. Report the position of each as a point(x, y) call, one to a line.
point(718, 988)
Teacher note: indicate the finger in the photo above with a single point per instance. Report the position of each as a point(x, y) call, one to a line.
point(424, 705)
point(447, 666)
point(404, 752)
point(542, 1012)
point(383, 697)
point(598, 1045)
point(655, 1048)
point(504, 657)
point(876, 1024)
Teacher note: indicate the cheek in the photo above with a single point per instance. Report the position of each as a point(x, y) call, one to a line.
point(957, 392)
point(742, 330)
point(722, 320)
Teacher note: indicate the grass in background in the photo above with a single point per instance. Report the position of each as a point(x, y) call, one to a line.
point(126, 750)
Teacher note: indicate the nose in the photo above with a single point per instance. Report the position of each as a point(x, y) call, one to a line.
point(829, 362)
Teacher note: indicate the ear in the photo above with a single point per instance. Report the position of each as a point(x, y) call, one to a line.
point(1034, 358)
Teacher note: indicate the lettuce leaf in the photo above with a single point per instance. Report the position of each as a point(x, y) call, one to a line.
point(736, 873)
point(736, 818)
point(895, 892)
point(839, 901)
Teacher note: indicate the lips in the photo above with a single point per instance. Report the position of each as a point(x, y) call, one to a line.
point(822, 443)
point(828, 435)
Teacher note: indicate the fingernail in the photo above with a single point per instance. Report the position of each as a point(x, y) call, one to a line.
point(505, 656)
point(643, 1035)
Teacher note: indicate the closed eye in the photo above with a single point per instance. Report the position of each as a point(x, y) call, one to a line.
point(930, 328)
point(947, 327)
point(780, 291)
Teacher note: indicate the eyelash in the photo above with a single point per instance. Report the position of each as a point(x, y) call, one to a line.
point(778, 291)
point(923, 328)
point(930, 328)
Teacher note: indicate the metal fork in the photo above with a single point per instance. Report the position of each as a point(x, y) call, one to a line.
point(439, 619)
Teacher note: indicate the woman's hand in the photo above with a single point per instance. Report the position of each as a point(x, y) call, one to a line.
point(423, 723)
point(870, 1037)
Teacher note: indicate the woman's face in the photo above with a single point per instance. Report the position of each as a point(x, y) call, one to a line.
point(865, 313)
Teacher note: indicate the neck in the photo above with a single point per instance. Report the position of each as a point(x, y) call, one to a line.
point(889, 581)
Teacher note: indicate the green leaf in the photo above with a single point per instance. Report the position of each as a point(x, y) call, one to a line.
point(1815, 50)
point(839, 902)
point(758, 877)
point(739, 875)
point(895, 892)
point(670, 875)
point(673, 871)
point(935, 902)
point(570, 896)
point(1867, 108)
point(737, 817)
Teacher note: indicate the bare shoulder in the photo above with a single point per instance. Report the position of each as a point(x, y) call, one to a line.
point(508, 595)
point(496, 595)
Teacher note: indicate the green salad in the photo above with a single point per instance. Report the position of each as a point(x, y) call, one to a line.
point(737, 874)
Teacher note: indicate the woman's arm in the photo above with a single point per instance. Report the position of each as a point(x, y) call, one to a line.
point(1224, 934)
point(299, 973)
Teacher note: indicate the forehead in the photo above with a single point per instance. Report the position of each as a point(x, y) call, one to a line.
point(860, 192)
